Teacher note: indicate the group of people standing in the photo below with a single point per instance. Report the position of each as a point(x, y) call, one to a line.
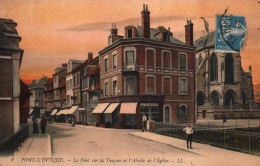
point(43, 124)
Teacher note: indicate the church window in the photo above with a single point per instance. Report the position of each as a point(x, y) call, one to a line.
point(229, 69)
point(213, 68)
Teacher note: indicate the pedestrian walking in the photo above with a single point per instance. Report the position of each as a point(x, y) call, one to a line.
point(43, 124)
point(144, 122)
point(189, 132)
point(35, 127)
point(73, 121)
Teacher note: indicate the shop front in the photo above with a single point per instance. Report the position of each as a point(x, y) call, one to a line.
point(125, 111)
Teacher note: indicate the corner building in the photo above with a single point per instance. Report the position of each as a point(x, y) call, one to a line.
point(146, 70)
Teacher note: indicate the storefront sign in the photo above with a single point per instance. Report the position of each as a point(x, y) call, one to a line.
point(149, 104)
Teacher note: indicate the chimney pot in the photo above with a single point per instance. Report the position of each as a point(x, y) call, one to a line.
point(143, 7)
point(113, 29)
point(146, 7)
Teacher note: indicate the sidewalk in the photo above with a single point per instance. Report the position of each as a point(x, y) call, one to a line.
point(35, 144)
point(209, 154)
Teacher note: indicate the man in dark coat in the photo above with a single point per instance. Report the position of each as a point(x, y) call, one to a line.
point(43, 124)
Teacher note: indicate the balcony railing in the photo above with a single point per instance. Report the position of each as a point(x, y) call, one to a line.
point(130, 67)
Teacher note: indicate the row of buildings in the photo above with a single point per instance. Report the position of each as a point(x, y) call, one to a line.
point(148, 71)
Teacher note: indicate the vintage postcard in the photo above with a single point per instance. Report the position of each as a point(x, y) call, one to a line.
point(130, 82)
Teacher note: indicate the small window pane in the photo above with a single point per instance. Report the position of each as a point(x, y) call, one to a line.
point(106, 65)
point(114, 61)
point(182, 61)
point(130, 57)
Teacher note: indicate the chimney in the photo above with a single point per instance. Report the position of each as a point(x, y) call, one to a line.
point(90, 56)
point(250, 70)
point(113, 29)
point(189, 33)
point(145, 21)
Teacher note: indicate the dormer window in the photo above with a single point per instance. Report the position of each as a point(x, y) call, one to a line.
point(165, 36)
point(129, 33)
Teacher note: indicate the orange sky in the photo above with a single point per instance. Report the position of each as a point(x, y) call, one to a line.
point(54, 31)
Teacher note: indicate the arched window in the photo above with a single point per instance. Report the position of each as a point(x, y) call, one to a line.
point(229, 69)
point(229, 99)
point(213, 68)
point(167, 114)
point(215, 99)
point(200, 98)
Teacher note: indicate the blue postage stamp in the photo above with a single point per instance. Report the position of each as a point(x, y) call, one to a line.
point(230, 33)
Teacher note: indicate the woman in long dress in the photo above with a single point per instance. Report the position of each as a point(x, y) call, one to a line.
point(35, 127)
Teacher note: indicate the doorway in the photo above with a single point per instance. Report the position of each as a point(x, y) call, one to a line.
point(204, 113)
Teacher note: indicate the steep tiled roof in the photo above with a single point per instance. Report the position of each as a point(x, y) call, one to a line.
point(155, 31)
point(38, 83)
point(205, 41)
point(95, 71)
point(49, 81)
point(85, 63)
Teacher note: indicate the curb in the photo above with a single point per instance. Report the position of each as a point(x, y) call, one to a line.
point(98, 128)
point(172, 146)
point(49, 144)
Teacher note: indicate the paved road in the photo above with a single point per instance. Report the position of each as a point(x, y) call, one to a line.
point(96, 142)
point(85, 145)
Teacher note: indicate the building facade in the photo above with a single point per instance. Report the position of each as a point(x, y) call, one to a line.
point(48, 96)
point(146, 71)
point(90, 81)
point(37, 104)
point(81, 90)
point(10, 62)
point(72, 64)
point(223, 87)
point(59, 87)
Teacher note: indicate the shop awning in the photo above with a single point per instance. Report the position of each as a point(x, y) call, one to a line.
point(31, 110)
point(54, 112)
point(82, 109)
point(72, 109)
point(100, 108)
point(111, 108)
point(61, 112)
point(128, 108)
